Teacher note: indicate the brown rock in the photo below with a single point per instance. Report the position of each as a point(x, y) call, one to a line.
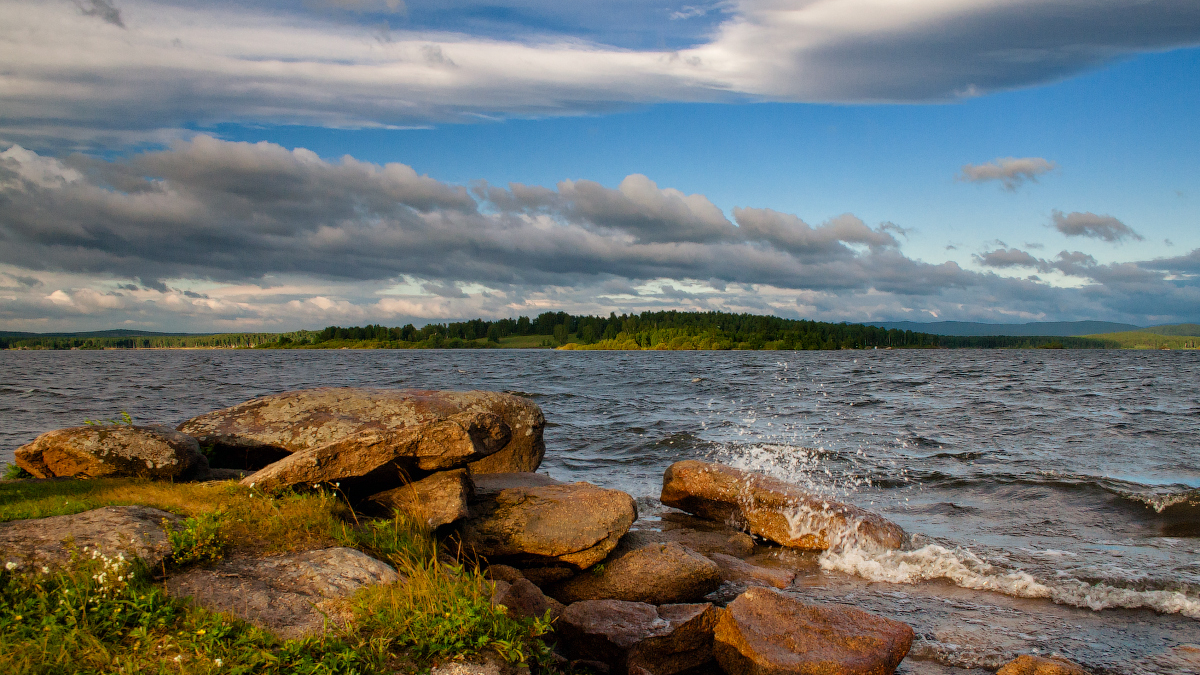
point(524, 599)
point(633, 636)
point(289, 594)
point(263, 430)
point(373, 459)
point(764, 632)
point(113, 450)
point(655, 574)
point(112, 530)
point(504, 573)
point(438, 500)
point(739, 571)
point(572, 525)
point(773, 509)
point(1027, 664)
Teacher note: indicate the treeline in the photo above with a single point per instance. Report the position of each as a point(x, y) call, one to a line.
point(226, 341)
point(648, 330)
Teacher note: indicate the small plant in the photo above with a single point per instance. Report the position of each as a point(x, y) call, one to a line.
point(598, 569)
point(198, 540)
point(14, 472)
point(126, 419)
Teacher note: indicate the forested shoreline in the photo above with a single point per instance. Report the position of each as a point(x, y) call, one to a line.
point(671, 330)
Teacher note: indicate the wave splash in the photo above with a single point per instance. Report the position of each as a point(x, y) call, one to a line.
point(963, 568)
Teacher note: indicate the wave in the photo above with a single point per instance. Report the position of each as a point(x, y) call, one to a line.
point(963, 568)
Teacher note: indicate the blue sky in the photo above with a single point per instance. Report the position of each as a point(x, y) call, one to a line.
point(842, 160)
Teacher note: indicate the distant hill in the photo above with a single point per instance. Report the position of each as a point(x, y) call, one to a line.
point(1175, 329)
point(1042, 328)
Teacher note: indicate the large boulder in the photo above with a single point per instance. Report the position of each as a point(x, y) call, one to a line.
point(634, 636)
point(260, 431)
point(373, 460)
point(524, 599)
point(111, 451)
point(763, 632)
point(656, 574)
point(289, 595)
point(1028, 664)
point(772, 509)
point(520, 520)
point(112, 530)
point(437, 500)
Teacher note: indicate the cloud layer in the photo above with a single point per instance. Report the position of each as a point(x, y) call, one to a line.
point(210, 233)
point(99, 72)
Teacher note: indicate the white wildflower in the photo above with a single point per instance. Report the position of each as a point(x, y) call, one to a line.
point(45, 570)
point(219, 662)
point(10, 565)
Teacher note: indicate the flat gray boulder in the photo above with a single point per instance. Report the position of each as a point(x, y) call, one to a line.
point(112, 530)
point(291, 595)
point(113, 451)
point(263, 430)
point(657, 574)
point(631, 637)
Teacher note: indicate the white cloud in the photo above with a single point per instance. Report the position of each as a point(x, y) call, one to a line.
point(1011, 172)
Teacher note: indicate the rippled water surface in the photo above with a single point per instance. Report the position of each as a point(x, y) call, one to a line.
point(1027, 476)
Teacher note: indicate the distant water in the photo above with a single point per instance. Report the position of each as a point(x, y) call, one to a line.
point(1053, 495)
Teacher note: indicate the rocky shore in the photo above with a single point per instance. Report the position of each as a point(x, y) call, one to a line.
point(706, 588)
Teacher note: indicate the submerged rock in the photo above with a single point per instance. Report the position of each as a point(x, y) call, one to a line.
point(437, 500)
point(263, 430)
point(565, 525)
point(1027, 664)
point(763, 632)
point(113, 451)
point(773, 509)
point(288, 594)
point(631, 637)
point(112, 530)
point(655, 574)
point(372, 459)
point(739, 571)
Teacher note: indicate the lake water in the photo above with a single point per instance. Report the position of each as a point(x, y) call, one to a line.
point(1053, 495)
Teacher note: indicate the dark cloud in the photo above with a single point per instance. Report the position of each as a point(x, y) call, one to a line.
point(1011, 172)
point(273, 65)
point(1086, 224)
point(101, 9)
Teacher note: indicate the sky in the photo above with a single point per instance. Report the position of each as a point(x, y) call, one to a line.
point(208, 166)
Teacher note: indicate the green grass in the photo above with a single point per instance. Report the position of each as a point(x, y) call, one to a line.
point(100, 615)
point(1148, 340)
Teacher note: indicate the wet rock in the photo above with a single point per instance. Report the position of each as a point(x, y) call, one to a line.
point(655, 574)
point(630, 637)
point(739, 571)
point(129, 530)
point(773, 509)
point(522, 598)
point(573, 525)
point(253, 434)
point(111, 451)
point(438, 500)
point(763, 632)
point(290, 595)
point(1027, 664)
point(372, 460)
point(702, 536)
